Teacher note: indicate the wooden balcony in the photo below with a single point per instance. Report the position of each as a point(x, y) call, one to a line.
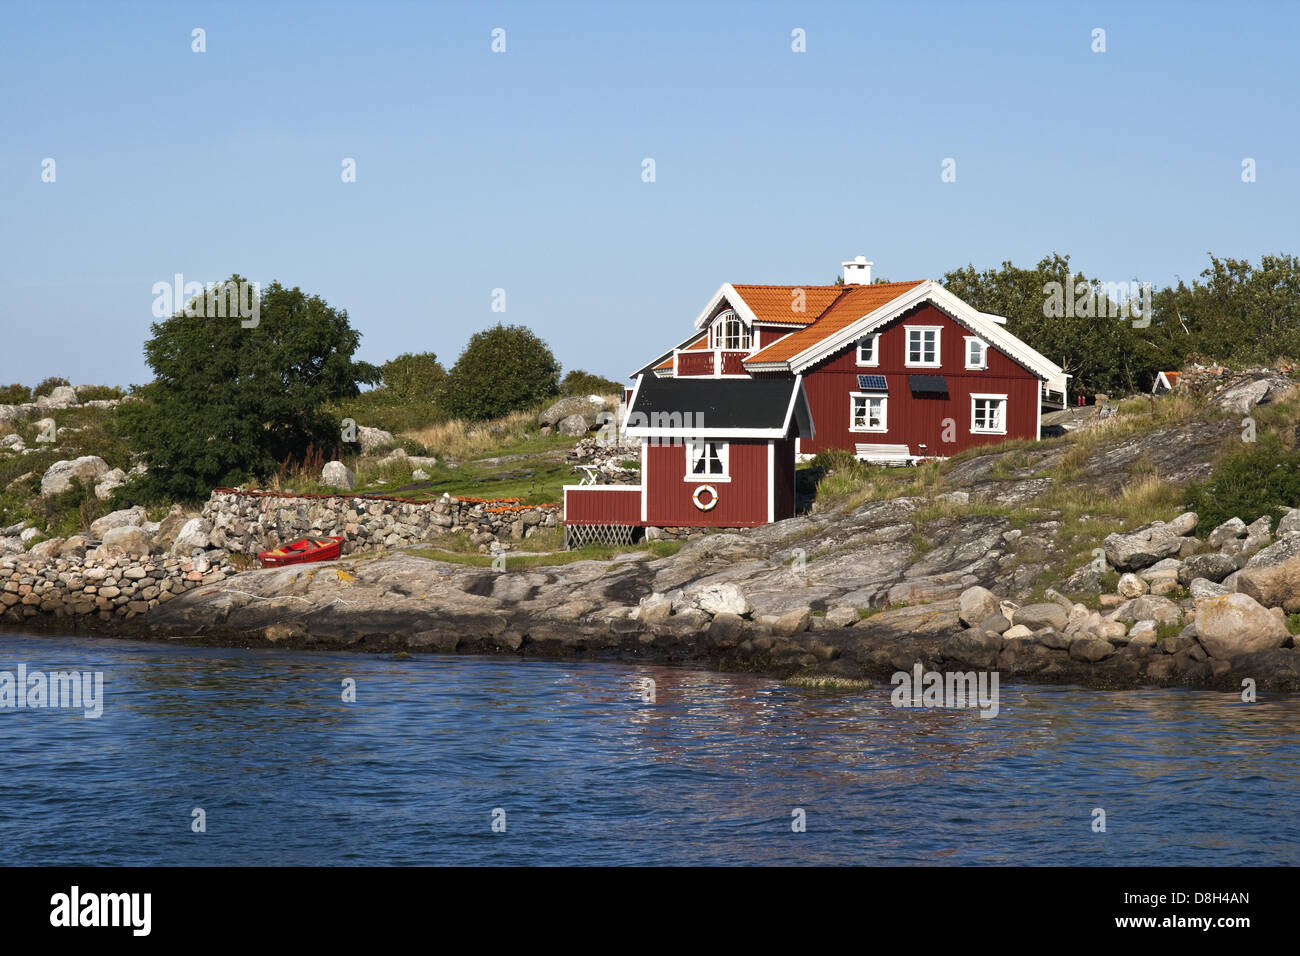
point(710, 363)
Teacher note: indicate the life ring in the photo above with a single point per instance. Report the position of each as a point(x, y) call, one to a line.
point(713, 497)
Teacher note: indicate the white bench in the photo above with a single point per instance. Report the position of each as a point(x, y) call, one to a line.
point(884, 454)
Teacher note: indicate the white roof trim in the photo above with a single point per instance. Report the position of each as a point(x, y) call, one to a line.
point(728, 292)
point(961, 312)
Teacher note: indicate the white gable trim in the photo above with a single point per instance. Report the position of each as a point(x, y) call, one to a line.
point(733, 299)
point(958, 310)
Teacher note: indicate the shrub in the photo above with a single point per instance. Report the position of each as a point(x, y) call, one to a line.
point(1249, 485)
point(15, 394)
point(100, 393)
point(47, 386)
point(578, 382)
point(502, 369)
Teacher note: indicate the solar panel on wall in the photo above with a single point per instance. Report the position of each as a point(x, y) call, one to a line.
point(875, 383)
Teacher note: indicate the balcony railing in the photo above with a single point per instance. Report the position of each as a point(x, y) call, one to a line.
point(710, 362)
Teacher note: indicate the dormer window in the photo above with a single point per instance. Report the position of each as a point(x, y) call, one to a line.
point(730, 332)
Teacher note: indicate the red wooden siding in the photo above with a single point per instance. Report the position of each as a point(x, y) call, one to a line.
point(919, 420)
point(783, 478)
point(697, 362)
point(742, 501)
point(597, 505)
point(767, 335)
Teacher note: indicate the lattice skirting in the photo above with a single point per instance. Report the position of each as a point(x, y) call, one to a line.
point(582, 535)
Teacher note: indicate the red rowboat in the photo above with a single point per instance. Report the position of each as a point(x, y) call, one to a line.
point(302, 552)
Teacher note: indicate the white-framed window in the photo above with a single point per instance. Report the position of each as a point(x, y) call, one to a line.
point(706, 461)
point(977, 353)
point(869, 349)
point(922, 346)
point(729, 331)
point(988, 414)
point(869, 412)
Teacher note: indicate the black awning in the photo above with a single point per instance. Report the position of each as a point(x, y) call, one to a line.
point(928, 384)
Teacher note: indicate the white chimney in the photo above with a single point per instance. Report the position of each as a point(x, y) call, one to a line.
point(857, 271)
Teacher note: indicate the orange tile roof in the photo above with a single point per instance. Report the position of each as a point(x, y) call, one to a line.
point(775, 303)
point(852, 303)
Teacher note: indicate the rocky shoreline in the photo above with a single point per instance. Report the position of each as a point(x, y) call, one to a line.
point(716, 605)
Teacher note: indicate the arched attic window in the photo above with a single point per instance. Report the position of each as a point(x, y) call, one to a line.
point(730, 332)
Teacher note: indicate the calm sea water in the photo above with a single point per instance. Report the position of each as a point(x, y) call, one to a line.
point(587, 773)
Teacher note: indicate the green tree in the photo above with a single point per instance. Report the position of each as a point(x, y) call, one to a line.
point(502, 369)
point(413, 377)
point(229, 402)
point(1101, 351)
point(15, 395)
point(1239, 314)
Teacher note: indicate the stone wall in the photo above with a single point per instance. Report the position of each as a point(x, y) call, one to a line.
point(106, 589)
point(258, 521)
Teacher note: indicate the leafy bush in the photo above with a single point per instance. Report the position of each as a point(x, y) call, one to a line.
point(100, 393)
point(1249, 484)
point(412, 377)
point(15, 394)
point(578, 382)
point(47, 386)
point(502, 369)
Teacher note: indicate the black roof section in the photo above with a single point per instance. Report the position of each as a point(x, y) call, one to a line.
point(712, 403)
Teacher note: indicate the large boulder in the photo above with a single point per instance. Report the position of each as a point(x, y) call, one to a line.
point(128, 540)
point(1241, 398)
point(1238, 624)
point(573, 426)
point(193, 537)
point(106, 485)
point(169, 528)
point(975, 605)
point(1035, 616)
point(1289, 525)
point(588, 406)
point(335, 474)
point(58, 477)
point(1149, 607)
point(1145, 546)
point(47, 550)
point(1213, 567)
point(722, 599)
point(12, 414)
point(1230, 530)
point(1275, 585)
point(372, 438)
point(63, 396)
point(116, 519)
point(1284, 550)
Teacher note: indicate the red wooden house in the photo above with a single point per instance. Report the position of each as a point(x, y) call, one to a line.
point(893, 372)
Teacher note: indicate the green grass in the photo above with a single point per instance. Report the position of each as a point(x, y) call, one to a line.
point(660, 549)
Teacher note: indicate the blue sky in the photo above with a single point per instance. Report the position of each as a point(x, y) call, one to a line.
point(523, 170)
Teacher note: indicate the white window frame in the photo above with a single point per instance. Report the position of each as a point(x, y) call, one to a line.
point(983, 396)
point(875, 351)
point(853, 411)
point(724, 456)
point(718, 333)
point(984, 353)
point(938, 346)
